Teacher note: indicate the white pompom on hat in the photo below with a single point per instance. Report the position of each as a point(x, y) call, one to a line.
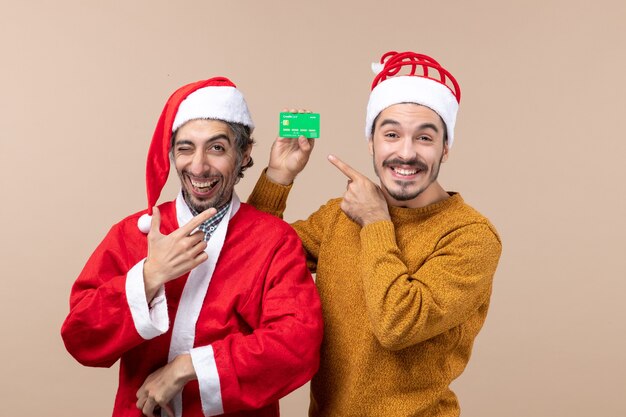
point(216, 98)
point(427, 83)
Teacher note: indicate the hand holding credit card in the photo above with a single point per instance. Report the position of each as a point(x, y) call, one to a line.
point(294, 125)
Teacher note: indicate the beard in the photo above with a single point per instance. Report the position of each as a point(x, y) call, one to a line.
point(223, 194)
point(405, 190)
point(199, 205)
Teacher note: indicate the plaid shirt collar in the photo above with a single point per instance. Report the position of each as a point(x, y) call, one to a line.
point(209, 226)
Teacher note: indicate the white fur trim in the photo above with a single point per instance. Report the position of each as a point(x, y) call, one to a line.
point(222, 103)
point(192, 298)
point(150, 321)
point(203, 360)
point(144, 223)
point(377, 67)
point(413, 89)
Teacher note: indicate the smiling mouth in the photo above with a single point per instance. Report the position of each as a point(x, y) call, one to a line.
point(203, 186)
point(405, 172)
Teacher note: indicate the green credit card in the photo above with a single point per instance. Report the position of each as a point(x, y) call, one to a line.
point(294, 125)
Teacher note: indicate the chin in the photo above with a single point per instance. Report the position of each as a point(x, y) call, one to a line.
point(405, 197)
point(197, 204)
point(404, 193)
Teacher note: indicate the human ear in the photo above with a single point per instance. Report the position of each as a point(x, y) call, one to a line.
point(246, 155)
point(444, 156)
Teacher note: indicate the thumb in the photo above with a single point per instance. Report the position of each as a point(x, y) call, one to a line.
point(155, 223)
point(306, 145)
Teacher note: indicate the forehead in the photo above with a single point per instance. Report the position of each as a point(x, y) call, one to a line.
point(203, 129)
point(409, 114)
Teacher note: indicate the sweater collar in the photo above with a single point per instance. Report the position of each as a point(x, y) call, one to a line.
point(401, 213)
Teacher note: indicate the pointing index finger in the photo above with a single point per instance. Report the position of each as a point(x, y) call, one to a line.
point(197, 221)
point(346, 169)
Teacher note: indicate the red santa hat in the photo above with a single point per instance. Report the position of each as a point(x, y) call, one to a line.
point(427, 83)
point(215, 98)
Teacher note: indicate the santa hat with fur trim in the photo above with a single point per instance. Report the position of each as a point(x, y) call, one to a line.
point(427, 83)
point(215, 98)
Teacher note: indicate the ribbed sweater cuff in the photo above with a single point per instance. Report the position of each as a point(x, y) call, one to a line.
point(268, 196)
point(377, 236)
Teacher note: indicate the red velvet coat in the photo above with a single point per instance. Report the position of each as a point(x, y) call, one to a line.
point(260, 318)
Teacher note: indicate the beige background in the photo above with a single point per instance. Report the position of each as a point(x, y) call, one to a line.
point(539, 149)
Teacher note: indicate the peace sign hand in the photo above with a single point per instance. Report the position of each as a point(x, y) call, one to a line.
point(173, 255)
point(363, 201)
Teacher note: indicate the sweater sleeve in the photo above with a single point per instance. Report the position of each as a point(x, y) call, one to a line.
point(109, 314)
point(269, 197)
point(312, 230)
point(272, 198)
point(282, 352)
point(406, 308)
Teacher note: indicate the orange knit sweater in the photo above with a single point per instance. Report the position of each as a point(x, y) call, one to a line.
point(402, 302)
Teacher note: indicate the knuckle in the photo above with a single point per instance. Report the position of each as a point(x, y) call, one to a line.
point(183, 245)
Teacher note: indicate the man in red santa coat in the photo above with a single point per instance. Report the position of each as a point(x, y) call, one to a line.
point(207, 302)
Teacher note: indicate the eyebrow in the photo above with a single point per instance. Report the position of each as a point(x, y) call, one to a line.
point(211, 139)
point(389, 122)
point(423, 126)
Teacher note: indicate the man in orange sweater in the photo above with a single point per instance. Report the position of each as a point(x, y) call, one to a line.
point(404, 268)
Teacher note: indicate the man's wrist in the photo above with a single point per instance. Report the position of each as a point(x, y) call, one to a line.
point(149, 282)
point(279, 176)
point(185, 370)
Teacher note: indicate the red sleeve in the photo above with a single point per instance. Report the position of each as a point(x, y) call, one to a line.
point(282, 353)
point(99, 327)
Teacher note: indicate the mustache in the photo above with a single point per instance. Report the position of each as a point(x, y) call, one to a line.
point(413, 163)
point(205, 175)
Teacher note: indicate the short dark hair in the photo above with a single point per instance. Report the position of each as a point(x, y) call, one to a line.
point(243, 140)
point(445, 128)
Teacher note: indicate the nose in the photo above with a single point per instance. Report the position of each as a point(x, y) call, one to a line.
point(198, 162)
point(406, 150)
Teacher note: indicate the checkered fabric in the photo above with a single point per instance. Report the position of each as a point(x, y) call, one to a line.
point(209, 226)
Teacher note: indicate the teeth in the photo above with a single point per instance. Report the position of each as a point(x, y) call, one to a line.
point(405, 171)
point(209, 184)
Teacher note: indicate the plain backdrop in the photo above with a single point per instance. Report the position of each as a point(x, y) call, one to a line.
point(539, 149)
